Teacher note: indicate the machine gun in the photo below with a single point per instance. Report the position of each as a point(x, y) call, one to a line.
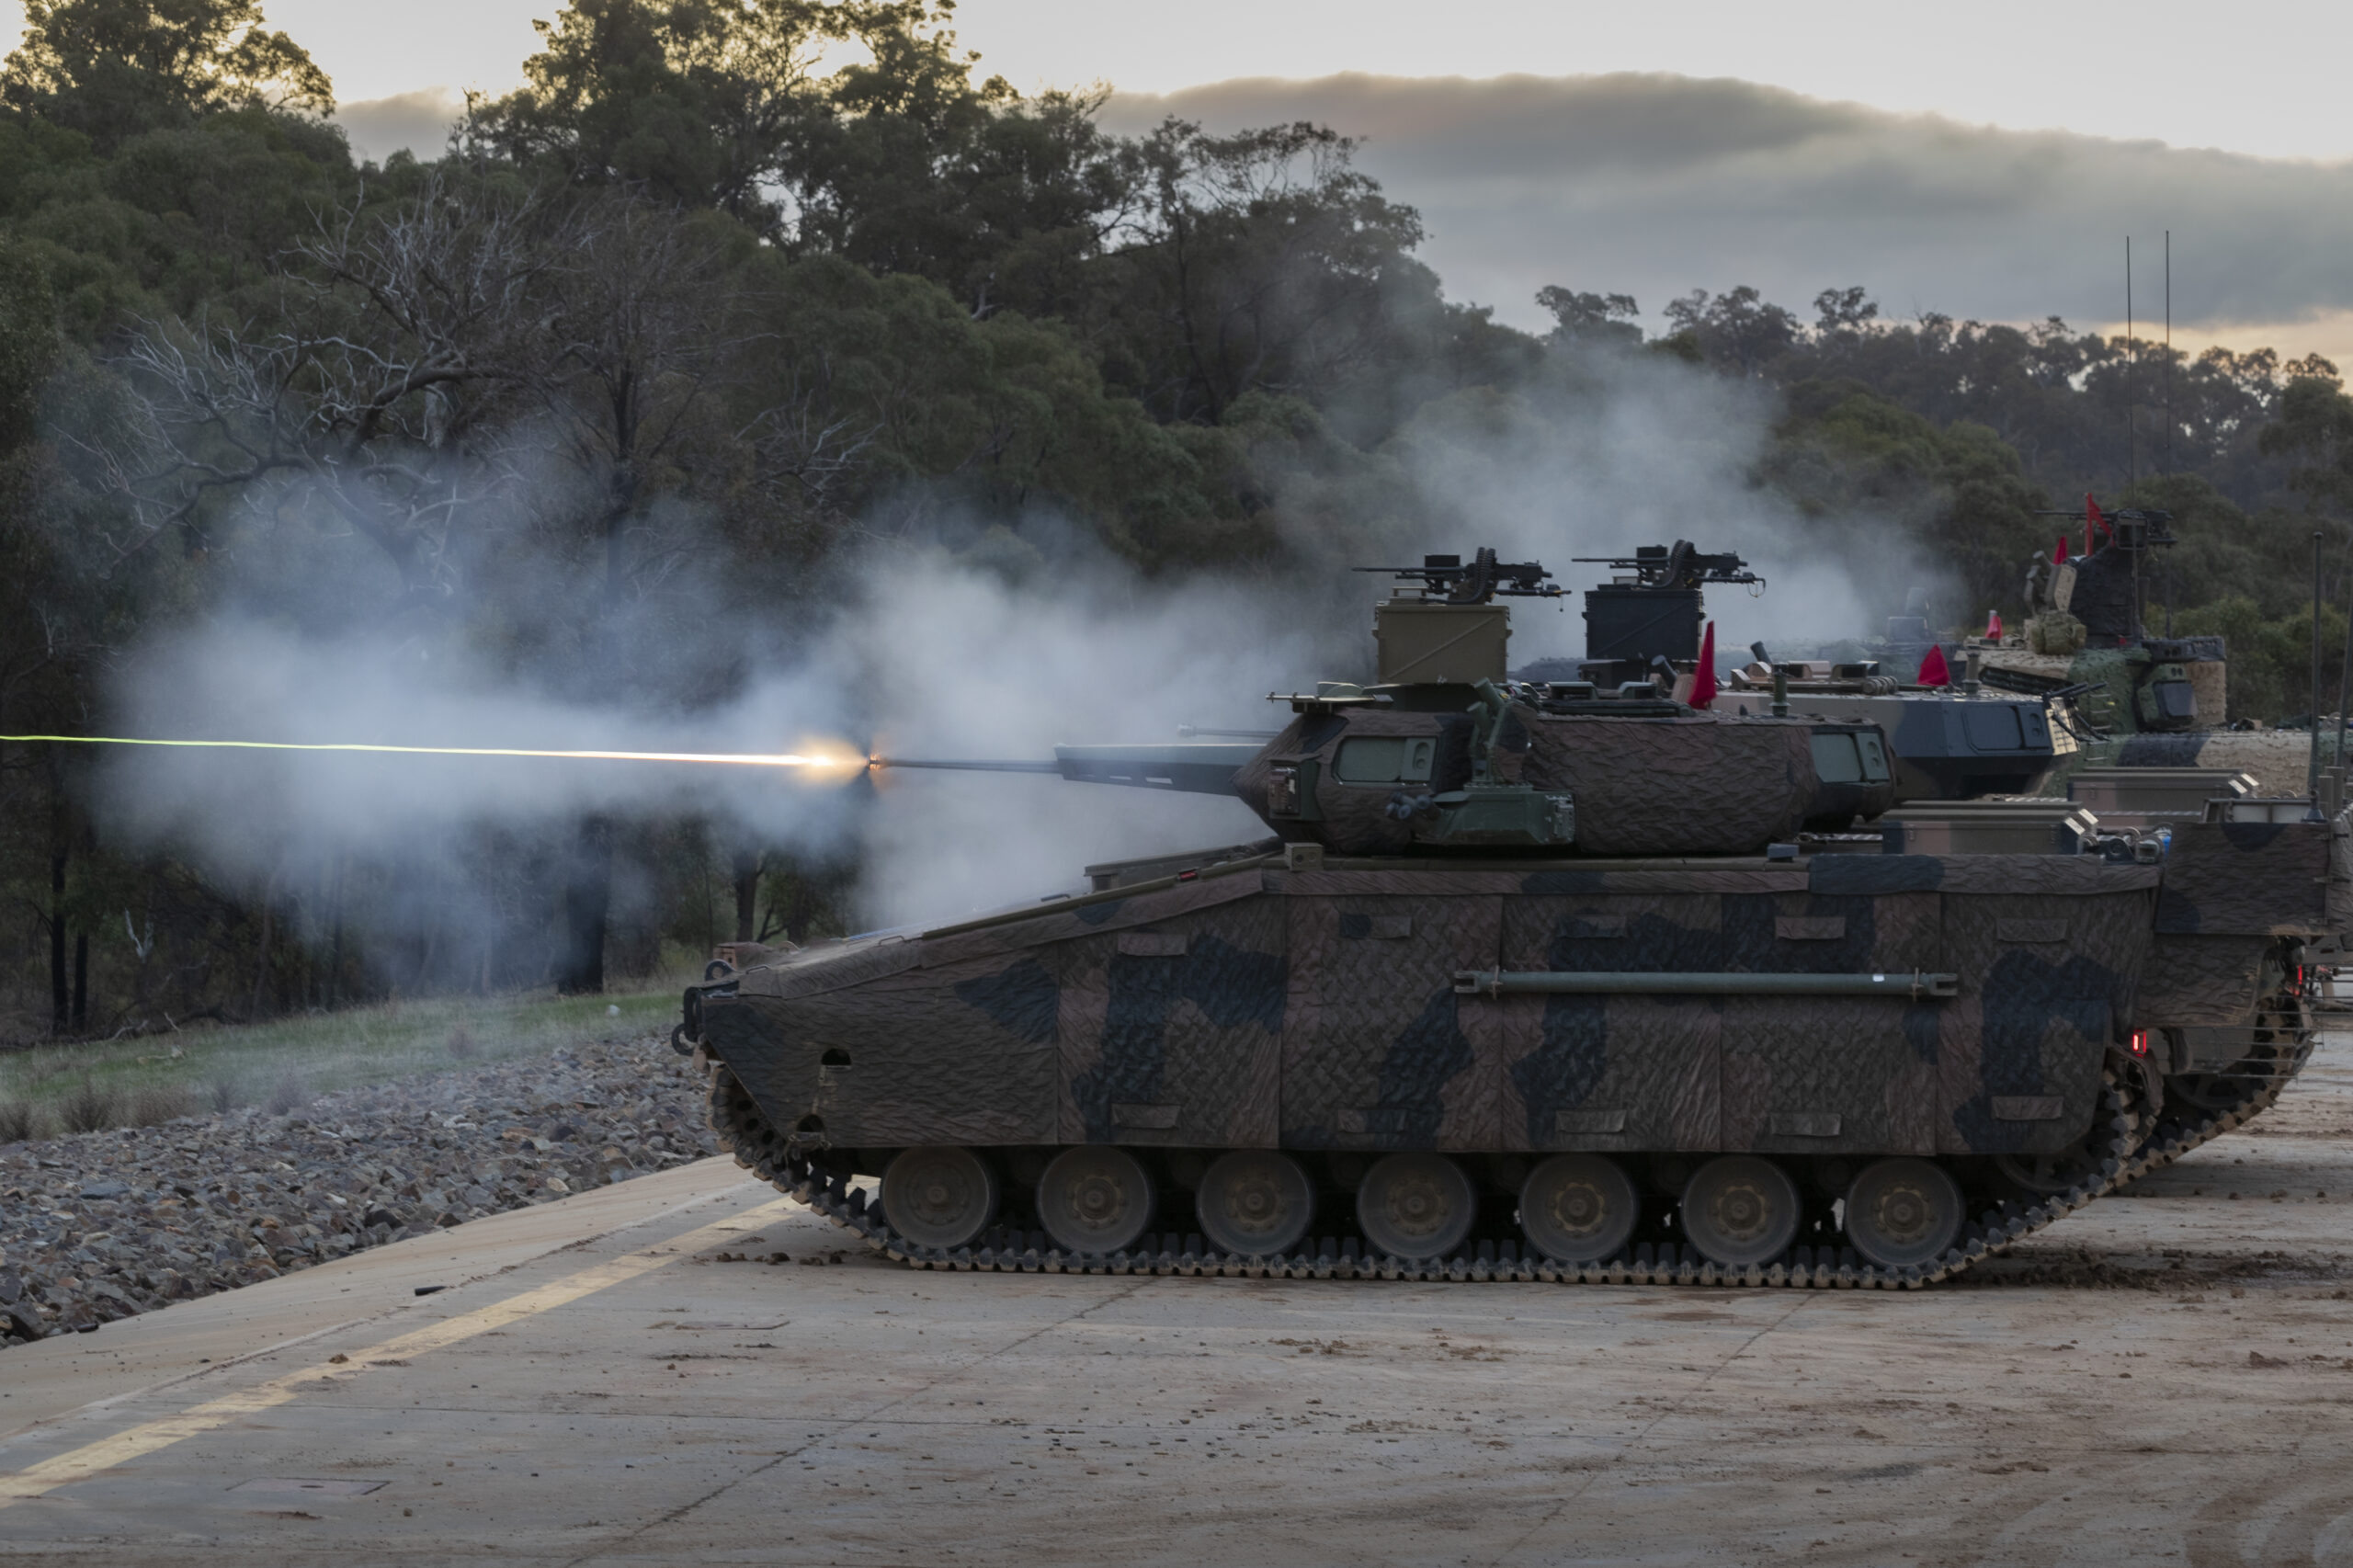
point(2140, 526)
point(1679, 566)
point(1478, 583)
point(1654, 611)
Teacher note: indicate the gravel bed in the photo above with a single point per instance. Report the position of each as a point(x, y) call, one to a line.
point(103, 1225)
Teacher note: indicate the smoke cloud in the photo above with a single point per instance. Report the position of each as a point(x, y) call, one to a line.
point(1653, 453)
point(246, 680)
point(974, 667)
point(936, 659)
point(936, 655)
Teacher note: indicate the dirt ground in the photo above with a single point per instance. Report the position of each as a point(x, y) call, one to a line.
point(2167, 1377)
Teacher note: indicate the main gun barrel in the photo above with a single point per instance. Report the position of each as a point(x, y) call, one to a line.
point(958, 766)
point(1197, 768)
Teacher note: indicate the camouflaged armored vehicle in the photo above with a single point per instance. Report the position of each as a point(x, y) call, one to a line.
point(2133, 697)
point(1527, 981)
point(2225, 1032)
point(2147, 743)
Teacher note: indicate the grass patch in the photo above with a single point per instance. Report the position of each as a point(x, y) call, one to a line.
point(286, 1064)
point(90, 1106)
point(18, 1122)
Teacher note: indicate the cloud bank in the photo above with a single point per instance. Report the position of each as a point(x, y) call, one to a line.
point(417, 123)
point(1653, 184)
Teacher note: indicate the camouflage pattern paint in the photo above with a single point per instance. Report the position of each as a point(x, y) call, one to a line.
point(1317, 1010)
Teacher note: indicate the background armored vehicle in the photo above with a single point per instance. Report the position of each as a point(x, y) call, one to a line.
point(2254, 896)
point(1524, 984)
point(2227, 1020)
point(2134, 696)
point(2146, 743)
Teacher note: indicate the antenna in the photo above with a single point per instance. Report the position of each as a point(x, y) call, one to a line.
point(2169, 463)
point(2312, 771)
point(2170, 466)
point(2132, 358)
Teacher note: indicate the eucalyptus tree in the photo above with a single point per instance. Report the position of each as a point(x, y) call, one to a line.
point(377, 391)
point(112, 68)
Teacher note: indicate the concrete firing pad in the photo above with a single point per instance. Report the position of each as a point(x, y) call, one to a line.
point(2167, 1377)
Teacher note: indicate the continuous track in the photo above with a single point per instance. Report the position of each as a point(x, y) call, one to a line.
point(767, 1151)
point(2175, 1136)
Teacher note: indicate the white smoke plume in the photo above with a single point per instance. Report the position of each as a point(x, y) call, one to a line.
point(952, 662)
point(1651, 452)
point(940, 658)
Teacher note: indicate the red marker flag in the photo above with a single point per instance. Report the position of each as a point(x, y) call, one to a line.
point(2092, 519)
point(1993, 625)
point(1932, 668)
point(2058, 556)
point(1703, 683)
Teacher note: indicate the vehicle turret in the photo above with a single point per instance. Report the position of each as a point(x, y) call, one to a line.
point(1444, 753)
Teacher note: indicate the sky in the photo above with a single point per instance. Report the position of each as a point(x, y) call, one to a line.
point(2178, 71)
point(1989, 168)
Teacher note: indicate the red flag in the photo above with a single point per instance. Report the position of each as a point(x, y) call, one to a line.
point(1932, 668)
point(2058, 556)
point(2092, 519)
point(1993, 625)
point(1703, 683)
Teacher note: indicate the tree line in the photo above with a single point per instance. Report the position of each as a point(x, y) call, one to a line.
point(730, 290)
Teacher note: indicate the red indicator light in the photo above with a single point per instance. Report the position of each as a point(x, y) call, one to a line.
point(2140, 1042)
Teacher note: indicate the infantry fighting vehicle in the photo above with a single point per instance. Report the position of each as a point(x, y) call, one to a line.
point(2007, 722)
point(2134, 697)
point(1528, 980)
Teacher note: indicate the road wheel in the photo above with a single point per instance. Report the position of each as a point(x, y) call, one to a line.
point(1416, 1206)
point(1095, 1200)
point(1740, 1208)
point(1578, 1208)
point(1255, 1203)
point(1903, 1212)
point(940, 1197)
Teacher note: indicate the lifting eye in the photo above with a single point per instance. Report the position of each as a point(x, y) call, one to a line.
point(835, 1057)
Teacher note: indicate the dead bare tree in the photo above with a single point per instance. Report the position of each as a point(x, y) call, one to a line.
point(383, 386)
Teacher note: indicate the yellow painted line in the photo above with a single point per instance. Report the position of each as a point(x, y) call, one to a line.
point(80, 1465)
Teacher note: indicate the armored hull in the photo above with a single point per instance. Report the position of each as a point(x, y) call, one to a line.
point(1751, 1037)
